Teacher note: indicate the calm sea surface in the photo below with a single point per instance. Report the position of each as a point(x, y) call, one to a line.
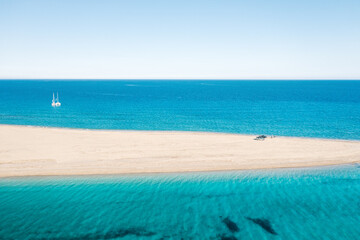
point(313, 203)
point(321, 203)
point(326, 109)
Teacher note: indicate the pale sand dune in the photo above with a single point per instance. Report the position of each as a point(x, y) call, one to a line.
point(26, 151)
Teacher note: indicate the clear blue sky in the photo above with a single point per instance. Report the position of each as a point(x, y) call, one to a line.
point(184, 39)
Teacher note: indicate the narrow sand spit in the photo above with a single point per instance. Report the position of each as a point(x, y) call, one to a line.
point(28, 151)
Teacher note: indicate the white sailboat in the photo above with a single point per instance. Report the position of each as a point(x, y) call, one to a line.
point(57, 104)
point(53, 101)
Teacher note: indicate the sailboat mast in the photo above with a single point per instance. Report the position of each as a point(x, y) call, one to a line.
point(53, 101)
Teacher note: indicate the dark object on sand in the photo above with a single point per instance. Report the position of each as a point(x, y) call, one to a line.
point(260, 137)
point(230, 225)
point(264, 223)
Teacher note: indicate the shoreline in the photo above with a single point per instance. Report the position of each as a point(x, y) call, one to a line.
point(177, 131)
point(143, 174)
point(46, 151)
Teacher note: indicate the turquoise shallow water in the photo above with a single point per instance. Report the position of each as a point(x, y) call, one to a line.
point(326, 109)
point(313, 203)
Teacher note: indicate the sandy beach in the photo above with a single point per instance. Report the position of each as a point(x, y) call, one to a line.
point(29, 151)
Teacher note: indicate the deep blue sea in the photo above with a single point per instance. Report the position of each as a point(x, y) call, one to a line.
point(326, 109)
point(309, 203)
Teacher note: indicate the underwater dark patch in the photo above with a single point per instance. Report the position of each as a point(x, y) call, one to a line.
point(230, 225)
point(225, 237)
point(139, 232)
point(264, 223)
point(119, 233)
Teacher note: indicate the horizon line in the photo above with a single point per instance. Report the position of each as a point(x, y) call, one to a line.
point(181, 79)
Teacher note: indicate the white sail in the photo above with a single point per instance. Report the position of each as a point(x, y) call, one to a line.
point(53, 101)
point(57, 104)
